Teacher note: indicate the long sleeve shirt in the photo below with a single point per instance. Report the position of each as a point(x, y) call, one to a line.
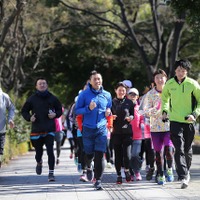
point(180, 100)
point(152, 108)
point(7, 110)
point(93, 118)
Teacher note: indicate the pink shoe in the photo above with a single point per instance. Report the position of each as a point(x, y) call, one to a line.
point(138, 176)
point(83, 178)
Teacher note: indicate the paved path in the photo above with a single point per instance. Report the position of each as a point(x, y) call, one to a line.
point(18, 181)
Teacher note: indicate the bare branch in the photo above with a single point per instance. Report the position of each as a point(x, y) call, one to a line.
point(112, 24)
point(9, 22)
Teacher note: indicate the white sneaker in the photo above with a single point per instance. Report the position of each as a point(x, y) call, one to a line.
point(109, 165)
point(185, 181)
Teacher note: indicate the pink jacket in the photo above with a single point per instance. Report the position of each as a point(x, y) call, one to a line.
point(147, 133)
point(58, 123)
point(137, 124)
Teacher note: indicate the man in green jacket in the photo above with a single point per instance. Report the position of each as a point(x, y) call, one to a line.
point(181, 102)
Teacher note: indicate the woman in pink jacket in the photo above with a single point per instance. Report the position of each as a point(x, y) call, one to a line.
point(138, 135)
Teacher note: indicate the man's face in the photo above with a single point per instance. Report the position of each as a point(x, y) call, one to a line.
point(181, 73)
point(96, 81)
point(41, 85)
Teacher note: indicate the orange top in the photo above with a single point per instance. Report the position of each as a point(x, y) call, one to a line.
point(109, 121)
point(79, 119)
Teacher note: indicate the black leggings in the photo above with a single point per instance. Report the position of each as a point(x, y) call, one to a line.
point(71, 144)
point(81, 156)
point(147, 148)
point(75, 140)
point(108, 152)
point(122, 149)
point(38, 144)
point(99, 164)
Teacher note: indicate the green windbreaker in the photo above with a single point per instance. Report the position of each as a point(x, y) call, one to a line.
point(180, 100)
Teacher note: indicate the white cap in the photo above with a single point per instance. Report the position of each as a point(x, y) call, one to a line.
point(133, 90)
point(128, 83)
point(75, 99)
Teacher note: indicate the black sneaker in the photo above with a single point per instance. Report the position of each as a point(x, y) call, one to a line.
point(98, 185)
point(119, 180)
point(89, 174)
point(128, 176)
point(51, 178)
point(150, 173)
point(38, 169)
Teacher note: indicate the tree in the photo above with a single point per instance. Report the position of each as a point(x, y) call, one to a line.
point(191, 8)
point(155, 44)
point(12, 43)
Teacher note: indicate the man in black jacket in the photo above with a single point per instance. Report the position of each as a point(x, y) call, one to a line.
point(41, 109)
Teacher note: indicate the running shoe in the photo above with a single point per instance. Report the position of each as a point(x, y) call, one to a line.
point(119, 180)
point(185, 182)
point(98, 185)
point(128, 176)
point(161, 180)
point(89, 174)
point(51, 178)
point(109, 165)
point(170, 175)
point(138, 176)
point(38, 169)
point(149, 174)
point(83, 178)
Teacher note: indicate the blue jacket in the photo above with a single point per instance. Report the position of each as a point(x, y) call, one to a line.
point(93, 118)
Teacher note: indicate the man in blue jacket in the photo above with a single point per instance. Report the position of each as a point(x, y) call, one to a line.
point(94, 104)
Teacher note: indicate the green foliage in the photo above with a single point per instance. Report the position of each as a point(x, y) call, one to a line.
point(12, 148)
point(84, 43)
point(51, 3)
point(191, 8)
point(75, 42)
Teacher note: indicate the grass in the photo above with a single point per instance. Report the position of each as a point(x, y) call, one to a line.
point(197, 139)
